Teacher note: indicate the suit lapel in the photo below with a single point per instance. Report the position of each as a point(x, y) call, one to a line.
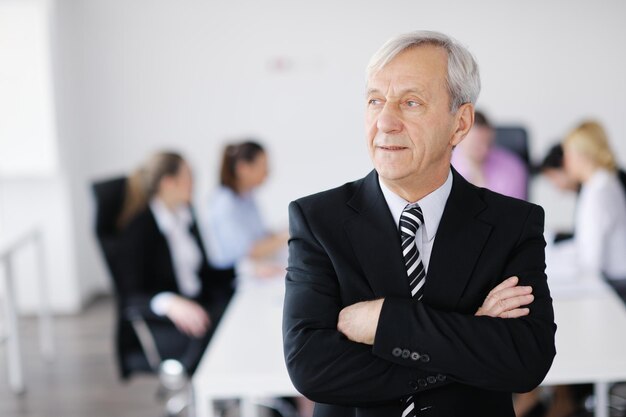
point(376, 241)
point(458, 244)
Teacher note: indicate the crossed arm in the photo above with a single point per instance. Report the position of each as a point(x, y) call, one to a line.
point(358, 322)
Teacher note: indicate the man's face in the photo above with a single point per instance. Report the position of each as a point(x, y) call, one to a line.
point(410, 129)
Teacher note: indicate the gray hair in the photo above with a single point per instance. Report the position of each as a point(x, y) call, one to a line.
point(463, 79)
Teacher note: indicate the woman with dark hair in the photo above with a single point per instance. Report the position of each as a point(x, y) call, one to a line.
point(235, 225)
point(162, 267)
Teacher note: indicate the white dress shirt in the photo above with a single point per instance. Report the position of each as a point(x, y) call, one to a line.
point(600, 229)
point(432, 207)
point(186, 255)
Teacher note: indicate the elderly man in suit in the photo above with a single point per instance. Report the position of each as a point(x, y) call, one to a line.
point(411, 292)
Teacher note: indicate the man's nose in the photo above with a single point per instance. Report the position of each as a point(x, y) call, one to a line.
point(389, 120)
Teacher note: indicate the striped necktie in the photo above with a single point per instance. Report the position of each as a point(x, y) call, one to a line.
point(410, 221)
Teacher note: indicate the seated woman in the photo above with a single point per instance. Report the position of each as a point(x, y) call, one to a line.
point(599, 242)
point(235, 225)
point(600, 223)
point(162, 266)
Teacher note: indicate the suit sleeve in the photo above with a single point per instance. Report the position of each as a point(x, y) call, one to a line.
point(324, 365)
point(485, 352)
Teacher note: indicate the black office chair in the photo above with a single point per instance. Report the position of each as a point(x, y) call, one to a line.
point(514, 139)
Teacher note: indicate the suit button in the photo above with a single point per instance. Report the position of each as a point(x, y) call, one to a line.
point(396, 352)
point(422, 382)
point(431, 379)
point(406, 353)
point(413, 385)
point(415, 356)
point(425, 358)
point(441, 377)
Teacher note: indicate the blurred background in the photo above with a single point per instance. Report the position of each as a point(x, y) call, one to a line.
point(88, 88)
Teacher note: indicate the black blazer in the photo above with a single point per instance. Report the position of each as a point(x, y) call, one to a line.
point(145, 266)
point(142, 267)
point(345, 248)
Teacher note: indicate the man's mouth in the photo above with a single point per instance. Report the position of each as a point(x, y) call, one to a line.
point(392, 148)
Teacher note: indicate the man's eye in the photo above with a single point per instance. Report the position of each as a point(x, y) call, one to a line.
point(373, 101)
point(412, 103)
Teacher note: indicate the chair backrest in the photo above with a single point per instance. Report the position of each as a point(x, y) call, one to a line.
point(515, 139)
point(109, 196)
point(109, 199)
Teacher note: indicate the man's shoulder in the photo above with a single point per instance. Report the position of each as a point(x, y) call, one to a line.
point(332, 197)
point(506, 208)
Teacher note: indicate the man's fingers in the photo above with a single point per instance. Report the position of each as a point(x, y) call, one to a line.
point(506, 299)
point(509, 293)
point(505, 294)
point(507, 283)
point(496, 307)
point(512, 303)
point(515, 313)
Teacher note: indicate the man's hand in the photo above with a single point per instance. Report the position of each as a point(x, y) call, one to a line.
point(507, 300)
point(359, 321)
point(188, 317)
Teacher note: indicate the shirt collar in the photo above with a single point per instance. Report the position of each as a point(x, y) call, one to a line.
point(599, 177)
point(168, 220)
point(432, 205)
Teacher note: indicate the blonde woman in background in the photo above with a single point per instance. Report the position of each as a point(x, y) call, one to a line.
point(600, 223)
point(598, 246)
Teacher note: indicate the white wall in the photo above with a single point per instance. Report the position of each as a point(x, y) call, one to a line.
point(135, 76)
point(42, 203)
point(34, 192)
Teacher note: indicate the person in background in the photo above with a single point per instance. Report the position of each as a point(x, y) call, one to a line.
point(584, 163)
point(486, 165)
point(235, 224)
point(552, 168)
point(600, 223)
point(162, 266)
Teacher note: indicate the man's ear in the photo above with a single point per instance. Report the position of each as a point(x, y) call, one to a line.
point(464, 122)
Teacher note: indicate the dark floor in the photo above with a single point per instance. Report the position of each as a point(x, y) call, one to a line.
point(82, 379)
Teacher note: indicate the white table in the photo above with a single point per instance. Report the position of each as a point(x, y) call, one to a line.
point(245, 358)
point(590, 338)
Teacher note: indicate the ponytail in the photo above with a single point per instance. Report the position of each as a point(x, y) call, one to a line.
point(143, 184)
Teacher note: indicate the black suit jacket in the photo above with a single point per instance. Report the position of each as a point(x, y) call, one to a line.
point(345, 248)
point(145, 266)
point(142, 267)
